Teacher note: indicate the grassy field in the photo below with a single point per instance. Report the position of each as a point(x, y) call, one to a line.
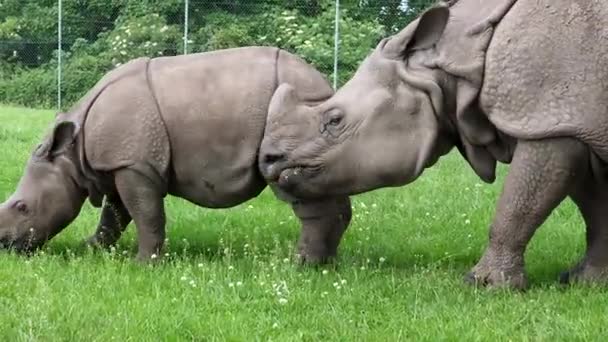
point(227, 274)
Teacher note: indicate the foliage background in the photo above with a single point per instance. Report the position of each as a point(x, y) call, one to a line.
point(98, 35)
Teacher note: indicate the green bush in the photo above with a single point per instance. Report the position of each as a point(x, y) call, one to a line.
point(31, 88)
point(148, 35)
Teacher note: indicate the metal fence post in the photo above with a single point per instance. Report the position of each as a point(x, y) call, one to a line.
point(336, 43)
point(186, 5)
point(59, 53)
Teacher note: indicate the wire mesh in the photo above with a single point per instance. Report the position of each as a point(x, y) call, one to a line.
point(53, 51)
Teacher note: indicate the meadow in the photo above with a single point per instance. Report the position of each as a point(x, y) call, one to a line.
point(227, 275)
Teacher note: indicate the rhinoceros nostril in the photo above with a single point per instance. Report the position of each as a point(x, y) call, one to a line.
point(273, 158)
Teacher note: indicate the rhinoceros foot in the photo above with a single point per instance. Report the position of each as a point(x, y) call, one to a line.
point(311, 256)
point(584, 272)
point(498, 271)
point(98, 242)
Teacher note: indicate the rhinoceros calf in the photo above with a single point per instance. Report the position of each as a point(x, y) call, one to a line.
point(189, 126)
point(520, 82)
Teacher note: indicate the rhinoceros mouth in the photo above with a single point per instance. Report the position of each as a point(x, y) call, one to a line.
point(19, 245)
point(289, 178)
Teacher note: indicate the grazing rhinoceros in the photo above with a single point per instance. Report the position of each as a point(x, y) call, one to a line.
point(189, 126)
point(520, 82)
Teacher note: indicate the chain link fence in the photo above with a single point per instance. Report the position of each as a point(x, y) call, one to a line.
point(53, 51)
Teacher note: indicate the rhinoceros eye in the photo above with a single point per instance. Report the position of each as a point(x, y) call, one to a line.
point(21, 207)
point(335, 121)
point(334, 117)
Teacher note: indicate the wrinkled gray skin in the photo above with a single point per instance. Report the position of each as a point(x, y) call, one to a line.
point(520, 82)
point(189, 126)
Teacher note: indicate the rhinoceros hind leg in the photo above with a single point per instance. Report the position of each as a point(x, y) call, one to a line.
point(114, 219)
point(591, 197)
point(540, 177)
point(323, 224)
point(144, 202)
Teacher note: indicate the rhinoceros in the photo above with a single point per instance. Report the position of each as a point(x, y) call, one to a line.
point(188, 126)
point(518, 82)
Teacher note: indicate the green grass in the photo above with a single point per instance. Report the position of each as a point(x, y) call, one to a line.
point(227, 275)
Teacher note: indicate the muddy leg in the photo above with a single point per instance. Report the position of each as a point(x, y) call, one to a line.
point(145, 204)
point(592, 200)
point(540, 177)
point(323, 224)
point(114, 220)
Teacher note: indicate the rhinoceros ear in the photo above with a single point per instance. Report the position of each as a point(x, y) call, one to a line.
point(430, 28)
point(283, 100)
point(61, 139)
point(420, 34)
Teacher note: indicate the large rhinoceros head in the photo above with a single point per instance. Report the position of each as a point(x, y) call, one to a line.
point(382, 128)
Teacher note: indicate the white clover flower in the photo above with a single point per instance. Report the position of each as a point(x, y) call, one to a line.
point(382, 259)
point(282, 301)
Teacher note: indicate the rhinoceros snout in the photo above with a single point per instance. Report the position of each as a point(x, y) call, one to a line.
point(19, 245)
point(271, 161)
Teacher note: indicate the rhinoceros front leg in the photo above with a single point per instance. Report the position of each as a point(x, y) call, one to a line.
point(323, 224)
point(541, 175)
point(114, 219)
point(144, 202)
point(591, 197)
